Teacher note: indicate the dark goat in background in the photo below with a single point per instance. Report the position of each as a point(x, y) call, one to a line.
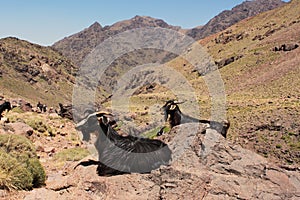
point(41, 107)
point(174, 116)
point(124, 154)
point(5, 106)
point(65, 111)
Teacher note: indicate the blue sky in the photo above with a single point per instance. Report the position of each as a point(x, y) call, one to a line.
point(47, 21)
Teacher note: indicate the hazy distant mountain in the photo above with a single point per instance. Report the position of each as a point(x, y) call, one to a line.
point(229, 17)
point(77, 46)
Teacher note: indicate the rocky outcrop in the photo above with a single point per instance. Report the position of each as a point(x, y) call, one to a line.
point(20, 128)
point(22, 104)
point(204, 166)
point(286, 47)
point(227, 61)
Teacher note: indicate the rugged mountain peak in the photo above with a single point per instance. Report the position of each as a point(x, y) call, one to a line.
point(153, 22)
point(229, 17)
point(90, 37)
point(140, 22)
point(96, 26)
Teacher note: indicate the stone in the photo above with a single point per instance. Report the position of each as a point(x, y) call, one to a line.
point(42, 193)
point(21, 128)
point(39, 146)
point(49, 150)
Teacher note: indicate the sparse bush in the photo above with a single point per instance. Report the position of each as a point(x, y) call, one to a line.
point(40, 126)
point(37, 171)
point(37, 124)
point(20, 168)
point(17, 110)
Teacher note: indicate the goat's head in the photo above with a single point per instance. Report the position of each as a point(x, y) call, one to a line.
point(91, 123)
point(7, 105)
point(105, 118)
point(169, 108)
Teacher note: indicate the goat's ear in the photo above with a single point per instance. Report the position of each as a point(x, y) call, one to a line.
point(104, 113)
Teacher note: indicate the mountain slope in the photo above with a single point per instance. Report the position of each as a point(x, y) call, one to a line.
point(230, 17)
point(76, 47)
point(259, 63)
point(34, 73)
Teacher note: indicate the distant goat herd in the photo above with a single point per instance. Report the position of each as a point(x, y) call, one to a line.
point(120, 154)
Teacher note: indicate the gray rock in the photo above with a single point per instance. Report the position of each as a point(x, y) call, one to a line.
point(204, 166)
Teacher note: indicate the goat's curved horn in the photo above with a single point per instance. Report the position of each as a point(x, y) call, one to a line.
point(103, 113)
point(95, 114)
point(179, 102)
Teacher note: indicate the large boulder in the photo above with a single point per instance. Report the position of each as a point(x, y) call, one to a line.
point(204, 166)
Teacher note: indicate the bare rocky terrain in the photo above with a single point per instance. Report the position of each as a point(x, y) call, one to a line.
point(204, 166)
point(228, 18)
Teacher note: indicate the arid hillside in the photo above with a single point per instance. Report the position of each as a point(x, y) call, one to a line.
point(258, 60)
point(34, 73)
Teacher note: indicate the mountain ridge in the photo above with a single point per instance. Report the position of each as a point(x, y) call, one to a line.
point(77, 46)
point(229, 17)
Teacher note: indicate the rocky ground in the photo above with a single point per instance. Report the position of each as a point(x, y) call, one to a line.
point(204, 166)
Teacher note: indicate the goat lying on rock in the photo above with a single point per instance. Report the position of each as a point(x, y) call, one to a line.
point(5, 106)
point(124, 154)
point(174, 116)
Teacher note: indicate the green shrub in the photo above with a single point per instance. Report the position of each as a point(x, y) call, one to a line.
point(14, 174)
point(37, 124)
point(20, 168)
point(40, 126)
point(37, 171)
point(17, 110)
point(153, 132)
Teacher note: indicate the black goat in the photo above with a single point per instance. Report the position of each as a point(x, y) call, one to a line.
point(5, 106)
point(174, 116)
point(41, 107)
point(124, 154)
